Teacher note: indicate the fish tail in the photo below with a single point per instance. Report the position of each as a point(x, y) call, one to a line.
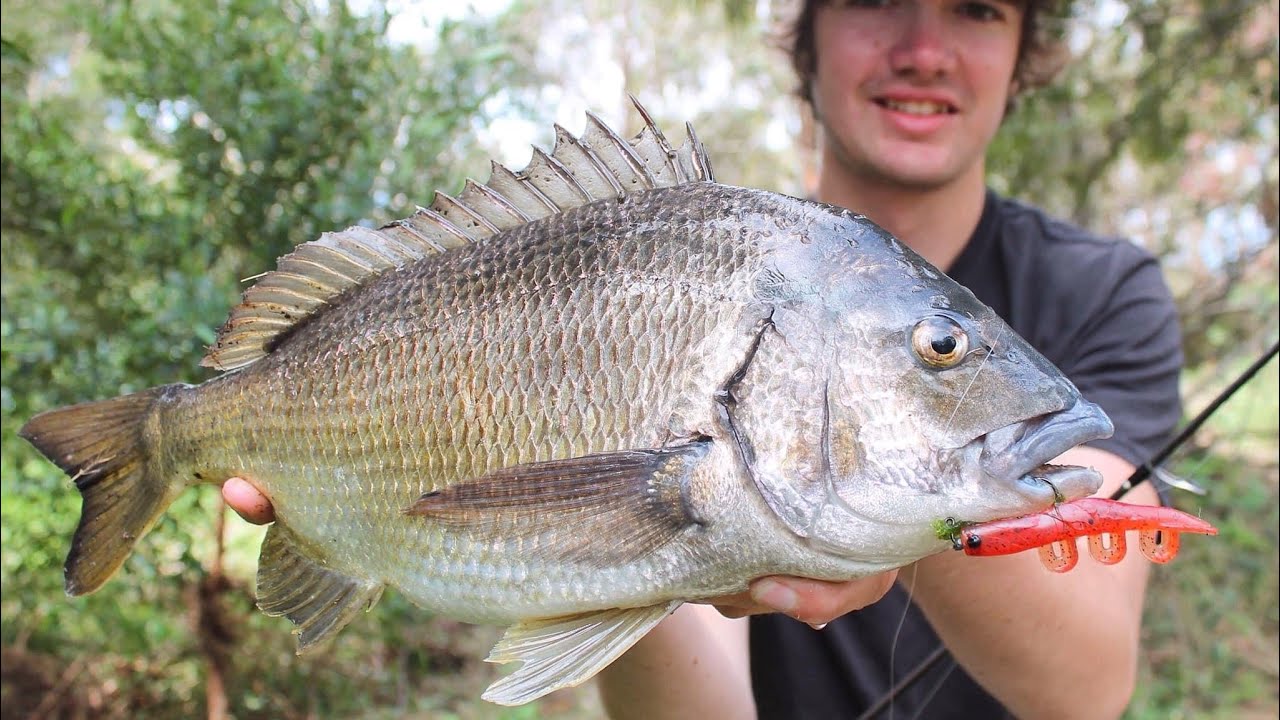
point(105, 448)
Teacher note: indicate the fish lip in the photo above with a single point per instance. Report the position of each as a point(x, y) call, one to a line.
point(1020, 453)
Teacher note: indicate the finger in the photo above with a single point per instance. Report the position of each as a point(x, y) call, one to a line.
point(812, 601)
point(248, 501)
point(738, 606)
point(817, 602)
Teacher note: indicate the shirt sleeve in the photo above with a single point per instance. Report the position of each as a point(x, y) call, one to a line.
point(1126, 352)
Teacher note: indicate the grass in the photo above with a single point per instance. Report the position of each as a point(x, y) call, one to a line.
point(1212, 618)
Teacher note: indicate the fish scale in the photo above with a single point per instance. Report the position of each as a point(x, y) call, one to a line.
point(576, 396)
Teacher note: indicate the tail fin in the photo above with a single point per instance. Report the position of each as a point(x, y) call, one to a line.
point(101, 446)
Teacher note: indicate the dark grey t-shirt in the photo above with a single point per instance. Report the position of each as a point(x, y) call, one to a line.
point(1099, 309)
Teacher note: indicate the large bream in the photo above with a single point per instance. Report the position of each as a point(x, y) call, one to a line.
point(573, 397)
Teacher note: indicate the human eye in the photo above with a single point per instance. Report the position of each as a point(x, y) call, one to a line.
point(982, 11)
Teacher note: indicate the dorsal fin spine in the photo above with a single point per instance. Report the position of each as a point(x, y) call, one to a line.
point(444, 233)
point(279, 295)
point(668, 152)
point(697, 154)
point(557, 183)
point(449, 206)
point(359, 261)
point(316, 271)
point(577, 171)
point(389, 246)
point(622, 151)
point(592, 175)
point(521, 192)
point(367, 245)
point(338, 263)
point(405, 226)
point(475, 189)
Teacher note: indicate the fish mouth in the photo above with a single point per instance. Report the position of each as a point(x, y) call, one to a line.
point(1019, 454)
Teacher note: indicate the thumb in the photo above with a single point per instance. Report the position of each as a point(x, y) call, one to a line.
point(248, 501)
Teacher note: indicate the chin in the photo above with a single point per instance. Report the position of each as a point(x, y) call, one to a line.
point(918, 178)
point(914, 168)
point(921, 182)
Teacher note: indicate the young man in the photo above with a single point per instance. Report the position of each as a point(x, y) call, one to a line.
point(908, 95)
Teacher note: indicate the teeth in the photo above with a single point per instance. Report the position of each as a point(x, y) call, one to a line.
point(914, 107)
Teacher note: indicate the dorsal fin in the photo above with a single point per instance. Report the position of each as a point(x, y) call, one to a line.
point(578, 171)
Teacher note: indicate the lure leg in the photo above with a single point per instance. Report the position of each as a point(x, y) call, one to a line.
point(1060, 555)
point(1108, 548)
point(1159, 545)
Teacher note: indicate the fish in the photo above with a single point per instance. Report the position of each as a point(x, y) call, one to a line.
point(576, 396)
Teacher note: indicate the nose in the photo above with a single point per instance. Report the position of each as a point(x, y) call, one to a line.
point(923, 47)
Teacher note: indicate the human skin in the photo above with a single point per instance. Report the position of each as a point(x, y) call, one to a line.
point(873, 62)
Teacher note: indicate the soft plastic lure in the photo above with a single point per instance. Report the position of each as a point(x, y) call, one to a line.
point(1105, 522)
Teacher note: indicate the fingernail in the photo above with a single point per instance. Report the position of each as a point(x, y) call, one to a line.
point(817, 626)
point(775, 595)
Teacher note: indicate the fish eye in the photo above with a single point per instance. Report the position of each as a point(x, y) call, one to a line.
point(939, 342)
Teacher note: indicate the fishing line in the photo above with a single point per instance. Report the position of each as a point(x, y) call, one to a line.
point(990, 351)
point(897, 632)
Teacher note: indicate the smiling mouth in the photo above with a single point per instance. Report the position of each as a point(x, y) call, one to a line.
point(916, 107)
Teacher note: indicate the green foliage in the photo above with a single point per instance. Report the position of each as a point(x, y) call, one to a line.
point(1138, 91)
point(154, 153)
point(1212, 618)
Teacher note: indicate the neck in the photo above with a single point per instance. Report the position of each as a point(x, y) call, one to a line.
point(936, 222)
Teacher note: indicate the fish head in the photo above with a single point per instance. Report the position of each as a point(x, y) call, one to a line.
point(933, 407)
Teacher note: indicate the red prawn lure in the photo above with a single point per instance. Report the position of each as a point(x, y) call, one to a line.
point(1105, 522)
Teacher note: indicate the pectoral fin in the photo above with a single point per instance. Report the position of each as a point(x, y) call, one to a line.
point(566, 651)
point(606, 509)
point(318, 600)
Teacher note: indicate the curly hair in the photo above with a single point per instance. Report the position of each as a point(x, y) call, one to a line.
point(1041, 49)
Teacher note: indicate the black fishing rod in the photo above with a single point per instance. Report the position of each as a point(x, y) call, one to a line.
point(1141, 474)
point(1147, 469)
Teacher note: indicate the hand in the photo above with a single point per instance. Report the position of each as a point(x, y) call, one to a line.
point(815, 602)
point(812, 601)
point(248, 501)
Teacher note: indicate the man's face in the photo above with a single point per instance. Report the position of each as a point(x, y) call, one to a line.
point(910, 92)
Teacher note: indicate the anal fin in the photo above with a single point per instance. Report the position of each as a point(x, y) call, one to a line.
point(318, 600)
point(566, 651)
